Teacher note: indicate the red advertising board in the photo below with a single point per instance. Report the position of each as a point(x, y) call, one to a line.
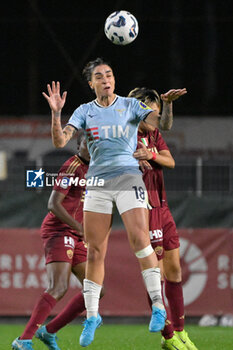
point(207, 266)
point(15, 128)
point(207, 263)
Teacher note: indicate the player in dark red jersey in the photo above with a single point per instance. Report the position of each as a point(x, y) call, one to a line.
point(154, 154)
point(65, 251)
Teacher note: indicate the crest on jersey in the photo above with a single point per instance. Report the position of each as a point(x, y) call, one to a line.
point(159, 250)
point(70, 253)
point(120, 111)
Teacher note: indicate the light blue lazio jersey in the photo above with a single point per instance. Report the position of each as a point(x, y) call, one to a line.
point(111, 134)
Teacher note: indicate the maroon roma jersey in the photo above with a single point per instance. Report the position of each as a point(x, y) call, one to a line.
point(68, 183)
point(153, 179)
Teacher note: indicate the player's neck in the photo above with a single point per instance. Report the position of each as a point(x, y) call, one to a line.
point(106, 101)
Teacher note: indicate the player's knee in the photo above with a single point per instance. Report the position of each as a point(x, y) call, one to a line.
point(173, 274)
point(95, 254)
point(140, 241)
point(58, 291)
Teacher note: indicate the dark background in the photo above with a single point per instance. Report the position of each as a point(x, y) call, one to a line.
point(180, 44)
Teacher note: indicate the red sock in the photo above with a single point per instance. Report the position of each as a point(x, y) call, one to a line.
point(174, 294)
point(68, 314)
point(167, 332)
point(41, 311)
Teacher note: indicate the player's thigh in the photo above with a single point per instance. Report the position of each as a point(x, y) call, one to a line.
point(58, 273)
point(98, 206)
point(136, 224)
point(96, 227)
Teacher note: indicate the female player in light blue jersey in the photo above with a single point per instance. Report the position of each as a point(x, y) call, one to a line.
point(111, 125)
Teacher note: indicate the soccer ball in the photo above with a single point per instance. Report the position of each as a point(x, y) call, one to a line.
point(121, 28)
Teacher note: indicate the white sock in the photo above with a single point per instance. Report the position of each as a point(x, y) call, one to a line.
point(152, 281)
point(91, 293)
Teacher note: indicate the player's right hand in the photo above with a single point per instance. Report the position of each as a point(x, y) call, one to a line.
point(54, 99)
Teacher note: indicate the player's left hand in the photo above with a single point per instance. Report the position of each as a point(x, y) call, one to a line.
point(142, 153)
point(173, 95)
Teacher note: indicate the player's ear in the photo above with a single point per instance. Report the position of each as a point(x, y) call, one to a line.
point(159, 107)
point(91, 85)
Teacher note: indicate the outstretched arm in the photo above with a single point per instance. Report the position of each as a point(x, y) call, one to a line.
point(56, 103)
point(166, 119)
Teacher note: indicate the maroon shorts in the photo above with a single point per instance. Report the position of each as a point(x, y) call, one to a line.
point(64, 247)
point(163, 232)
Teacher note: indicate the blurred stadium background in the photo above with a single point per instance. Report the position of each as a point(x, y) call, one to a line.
point(180, 44)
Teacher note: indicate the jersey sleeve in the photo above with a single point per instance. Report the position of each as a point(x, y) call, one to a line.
point(78, 118)
point(71, 173)
point(140, 109)
point(62, 182)
point(161, 144)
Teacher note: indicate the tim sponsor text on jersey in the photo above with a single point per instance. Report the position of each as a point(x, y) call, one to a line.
point(108, 131)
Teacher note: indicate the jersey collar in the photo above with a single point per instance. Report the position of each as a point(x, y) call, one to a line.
point(99, 105)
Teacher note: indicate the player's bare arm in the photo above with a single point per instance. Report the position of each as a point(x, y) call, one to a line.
point(55, 206)
point(164, 157)
point(166, 119)
point(56, 102)
point(152, 119)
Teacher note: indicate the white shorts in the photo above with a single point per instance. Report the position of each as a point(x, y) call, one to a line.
point(126, 191)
